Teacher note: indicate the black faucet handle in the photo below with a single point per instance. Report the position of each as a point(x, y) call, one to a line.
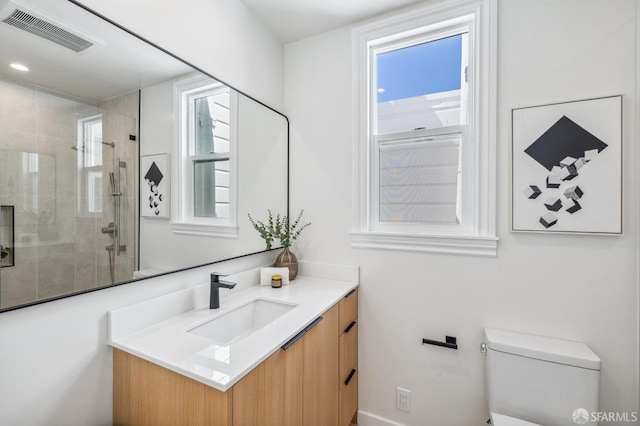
point(215, 276)
point(226, 284)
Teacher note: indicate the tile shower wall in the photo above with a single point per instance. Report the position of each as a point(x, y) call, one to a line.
point(59, 245)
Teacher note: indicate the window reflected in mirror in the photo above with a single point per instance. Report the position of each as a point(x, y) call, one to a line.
point(207, 114)
point(89, 165)
point(211, 146)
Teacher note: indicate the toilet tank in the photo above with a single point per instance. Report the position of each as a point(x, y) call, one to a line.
point(540, 379)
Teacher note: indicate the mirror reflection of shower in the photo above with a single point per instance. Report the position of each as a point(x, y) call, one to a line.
point(62, 159)
point(90, 164)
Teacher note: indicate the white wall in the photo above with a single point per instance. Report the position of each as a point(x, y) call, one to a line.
point(261, 181)
point(220, 36)
point(55, 365)
point(581, 288)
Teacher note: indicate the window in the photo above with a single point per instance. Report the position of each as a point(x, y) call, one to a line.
point(89, 162)
point(425, 105)
point(419, 122)
point(206, 143)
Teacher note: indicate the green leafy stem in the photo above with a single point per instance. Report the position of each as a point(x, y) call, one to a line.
point(279, 228)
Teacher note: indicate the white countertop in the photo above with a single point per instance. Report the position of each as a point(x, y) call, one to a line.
point(168, 343)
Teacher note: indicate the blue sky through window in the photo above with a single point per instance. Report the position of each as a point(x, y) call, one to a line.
point(422, 69)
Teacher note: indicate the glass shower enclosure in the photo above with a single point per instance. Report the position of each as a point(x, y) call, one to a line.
point(68, 203)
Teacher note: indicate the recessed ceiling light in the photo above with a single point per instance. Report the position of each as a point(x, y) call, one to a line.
point(19, 67)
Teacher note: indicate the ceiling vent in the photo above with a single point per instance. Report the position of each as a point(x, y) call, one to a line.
point(27, 22)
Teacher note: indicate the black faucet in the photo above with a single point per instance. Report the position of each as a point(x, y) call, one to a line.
point(214, 294)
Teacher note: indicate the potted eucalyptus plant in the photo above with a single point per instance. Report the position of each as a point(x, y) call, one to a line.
point(281, 229)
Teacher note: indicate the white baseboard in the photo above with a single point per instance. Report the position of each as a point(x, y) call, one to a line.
point(369, 419)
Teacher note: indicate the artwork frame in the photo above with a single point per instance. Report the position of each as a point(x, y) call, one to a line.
point(155, 186)
point(566, 167)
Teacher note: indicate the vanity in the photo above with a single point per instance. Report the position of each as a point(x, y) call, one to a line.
point(267, 356)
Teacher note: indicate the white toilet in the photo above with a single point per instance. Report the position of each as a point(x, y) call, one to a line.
point(533, 380)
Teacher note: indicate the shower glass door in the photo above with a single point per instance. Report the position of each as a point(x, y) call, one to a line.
point(67, 172)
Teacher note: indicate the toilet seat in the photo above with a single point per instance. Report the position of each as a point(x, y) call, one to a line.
point(502, 420)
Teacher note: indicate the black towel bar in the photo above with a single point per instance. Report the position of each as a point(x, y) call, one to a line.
point(451, 342)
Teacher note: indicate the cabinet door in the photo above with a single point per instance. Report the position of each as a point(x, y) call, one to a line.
point(320, 372)
point(271, 395)
point(145, 394)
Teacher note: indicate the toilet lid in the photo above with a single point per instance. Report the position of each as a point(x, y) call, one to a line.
point(502, 420)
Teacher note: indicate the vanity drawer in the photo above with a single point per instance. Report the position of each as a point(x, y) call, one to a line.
point(348, 400)
point(348, 310)
point(348, 352)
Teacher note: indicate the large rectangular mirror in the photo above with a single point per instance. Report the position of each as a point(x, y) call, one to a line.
point(118, 160)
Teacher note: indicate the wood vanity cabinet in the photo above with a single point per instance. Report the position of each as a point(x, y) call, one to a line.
point(303, 385)
point(348, 365)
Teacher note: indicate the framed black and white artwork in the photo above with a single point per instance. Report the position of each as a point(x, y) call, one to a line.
point(567, 167)
point(154, 186)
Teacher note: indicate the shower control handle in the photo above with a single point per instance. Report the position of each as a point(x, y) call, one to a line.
point(111, 229)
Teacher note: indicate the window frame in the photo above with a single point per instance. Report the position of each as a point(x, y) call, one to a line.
point(185, 92)
point(90, 169)
point(477, 234)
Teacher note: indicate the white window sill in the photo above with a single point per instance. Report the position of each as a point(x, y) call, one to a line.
point(450, 244)
point(208, 230)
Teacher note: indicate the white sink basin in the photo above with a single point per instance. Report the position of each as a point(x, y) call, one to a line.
point(242, 321)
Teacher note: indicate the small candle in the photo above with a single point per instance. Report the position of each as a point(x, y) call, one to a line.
point(276, 281)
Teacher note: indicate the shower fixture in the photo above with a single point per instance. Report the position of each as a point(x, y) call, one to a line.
point(81, 148)
point(115, 228)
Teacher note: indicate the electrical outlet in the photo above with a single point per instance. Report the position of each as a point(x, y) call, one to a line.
point(403, 399)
